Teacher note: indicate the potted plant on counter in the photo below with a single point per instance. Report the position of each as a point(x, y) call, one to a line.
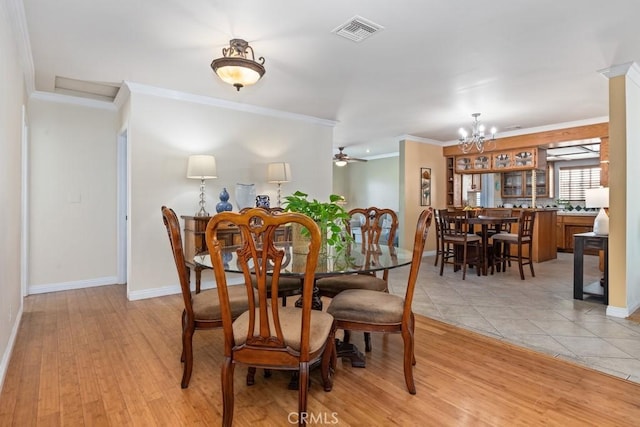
point(330, 217)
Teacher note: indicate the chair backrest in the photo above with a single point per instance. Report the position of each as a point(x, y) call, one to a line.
point(422, 231)
point(497, 212)
point(375, 223)
point(258, 256)
point(175, 238)
point(453, 224)
point(525, 224)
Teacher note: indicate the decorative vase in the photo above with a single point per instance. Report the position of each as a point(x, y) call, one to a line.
point(223, 204)
point(245, 195)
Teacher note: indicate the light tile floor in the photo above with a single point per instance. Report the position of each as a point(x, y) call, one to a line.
point(538, 313)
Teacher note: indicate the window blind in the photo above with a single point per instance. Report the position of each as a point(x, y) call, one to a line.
point(573, 181)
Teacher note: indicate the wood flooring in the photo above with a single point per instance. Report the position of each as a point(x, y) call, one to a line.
point(90, 357)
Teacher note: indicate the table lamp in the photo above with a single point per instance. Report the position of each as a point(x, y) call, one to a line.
point(278, 173)
point(599, 198)
point(202, 167)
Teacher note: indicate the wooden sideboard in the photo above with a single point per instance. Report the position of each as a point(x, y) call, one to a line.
point(195, 244)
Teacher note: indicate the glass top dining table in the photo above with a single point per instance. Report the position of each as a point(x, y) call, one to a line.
point(356, 258)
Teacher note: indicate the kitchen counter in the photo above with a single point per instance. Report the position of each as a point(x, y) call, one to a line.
point(578, 213)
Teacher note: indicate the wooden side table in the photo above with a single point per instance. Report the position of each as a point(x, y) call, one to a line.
point(581, 242)
point(195, 244)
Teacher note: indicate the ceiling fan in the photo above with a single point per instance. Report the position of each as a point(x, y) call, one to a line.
point(341, 159)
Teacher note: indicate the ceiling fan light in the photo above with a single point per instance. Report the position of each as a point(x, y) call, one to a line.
point(341, 163)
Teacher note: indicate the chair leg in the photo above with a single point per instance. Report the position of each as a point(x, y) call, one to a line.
point(407, 337)
point(367, 342)
point(531, 261)
point(464, 262)
point(251, 375)
point(327, 364)
point(303, 389)
point(226, 378)
point(520, 262)
point(187, 352)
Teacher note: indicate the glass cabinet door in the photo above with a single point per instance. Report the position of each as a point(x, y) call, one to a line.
point(541, 183)
point(463, 164)
point(524, 158)
point(512, 184)
point(502, 160)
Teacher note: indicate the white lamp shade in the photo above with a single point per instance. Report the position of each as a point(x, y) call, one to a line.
point(202, 166)
point(597, 197)
point(278, 172)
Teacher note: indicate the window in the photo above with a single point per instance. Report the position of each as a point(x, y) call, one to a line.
point(573, 181)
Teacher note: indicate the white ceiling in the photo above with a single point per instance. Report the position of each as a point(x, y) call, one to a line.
point(522, 64)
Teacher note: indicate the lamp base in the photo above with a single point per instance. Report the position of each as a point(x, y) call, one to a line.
point(601, 223)
point(202, 212)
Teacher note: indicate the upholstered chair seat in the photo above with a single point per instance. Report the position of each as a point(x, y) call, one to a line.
point(335, 284)
point(367, 306)
point(206, 304)
point(321, 324)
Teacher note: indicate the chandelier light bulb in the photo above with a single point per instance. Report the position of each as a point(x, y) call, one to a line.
point(477, 139)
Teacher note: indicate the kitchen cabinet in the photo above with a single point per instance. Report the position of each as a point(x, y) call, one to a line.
point(568, 225)
point(518, 184)
point(544, 235)
point(473, 163)
point(520, 159)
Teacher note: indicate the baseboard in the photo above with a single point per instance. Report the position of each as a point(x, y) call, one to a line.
point(66, 286)
point(621, 312)
point(428, 253)
point(175, 289)
point(6, 357)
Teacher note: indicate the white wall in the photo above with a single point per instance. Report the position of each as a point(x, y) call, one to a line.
point(163, 132)
point(11, 102)
point(374, 183)
point(72, 221)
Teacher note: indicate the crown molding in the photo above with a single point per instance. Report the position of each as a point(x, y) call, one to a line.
point(18, 22)
point(420, 139)
point(230, 105)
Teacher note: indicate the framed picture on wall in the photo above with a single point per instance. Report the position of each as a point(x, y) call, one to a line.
point(425, 186)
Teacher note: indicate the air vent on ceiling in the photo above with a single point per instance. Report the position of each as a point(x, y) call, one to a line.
point(357, 29)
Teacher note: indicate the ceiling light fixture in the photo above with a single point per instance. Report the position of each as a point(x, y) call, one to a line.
point(477, 138)
point(235, 67)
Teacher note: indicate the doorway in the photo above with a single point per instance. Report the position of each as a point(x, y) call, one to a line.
point(122, 208)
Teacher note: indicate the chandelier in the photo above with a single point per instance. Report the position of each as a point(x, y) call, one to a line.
point(477, 138)
point(235, 68)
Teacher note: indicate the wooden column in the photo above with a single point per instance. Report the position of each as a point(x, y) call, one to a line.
point(604, 161)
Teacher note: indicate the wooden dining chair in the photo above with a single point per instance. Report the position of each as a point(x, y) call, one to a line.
point(502, 243)
point(497, 213)
point(202, 309)
point(268, 335)
point(287, 286)
point(442, 250)
point(376, 226)
point(372, 311)
point(466, 247)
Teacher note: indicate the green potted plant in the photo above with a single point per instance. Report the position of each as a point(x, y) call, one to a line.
point(330, 217)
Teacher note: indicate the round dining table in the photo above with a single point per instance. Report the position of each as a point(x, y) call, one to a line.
point(356, 258)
